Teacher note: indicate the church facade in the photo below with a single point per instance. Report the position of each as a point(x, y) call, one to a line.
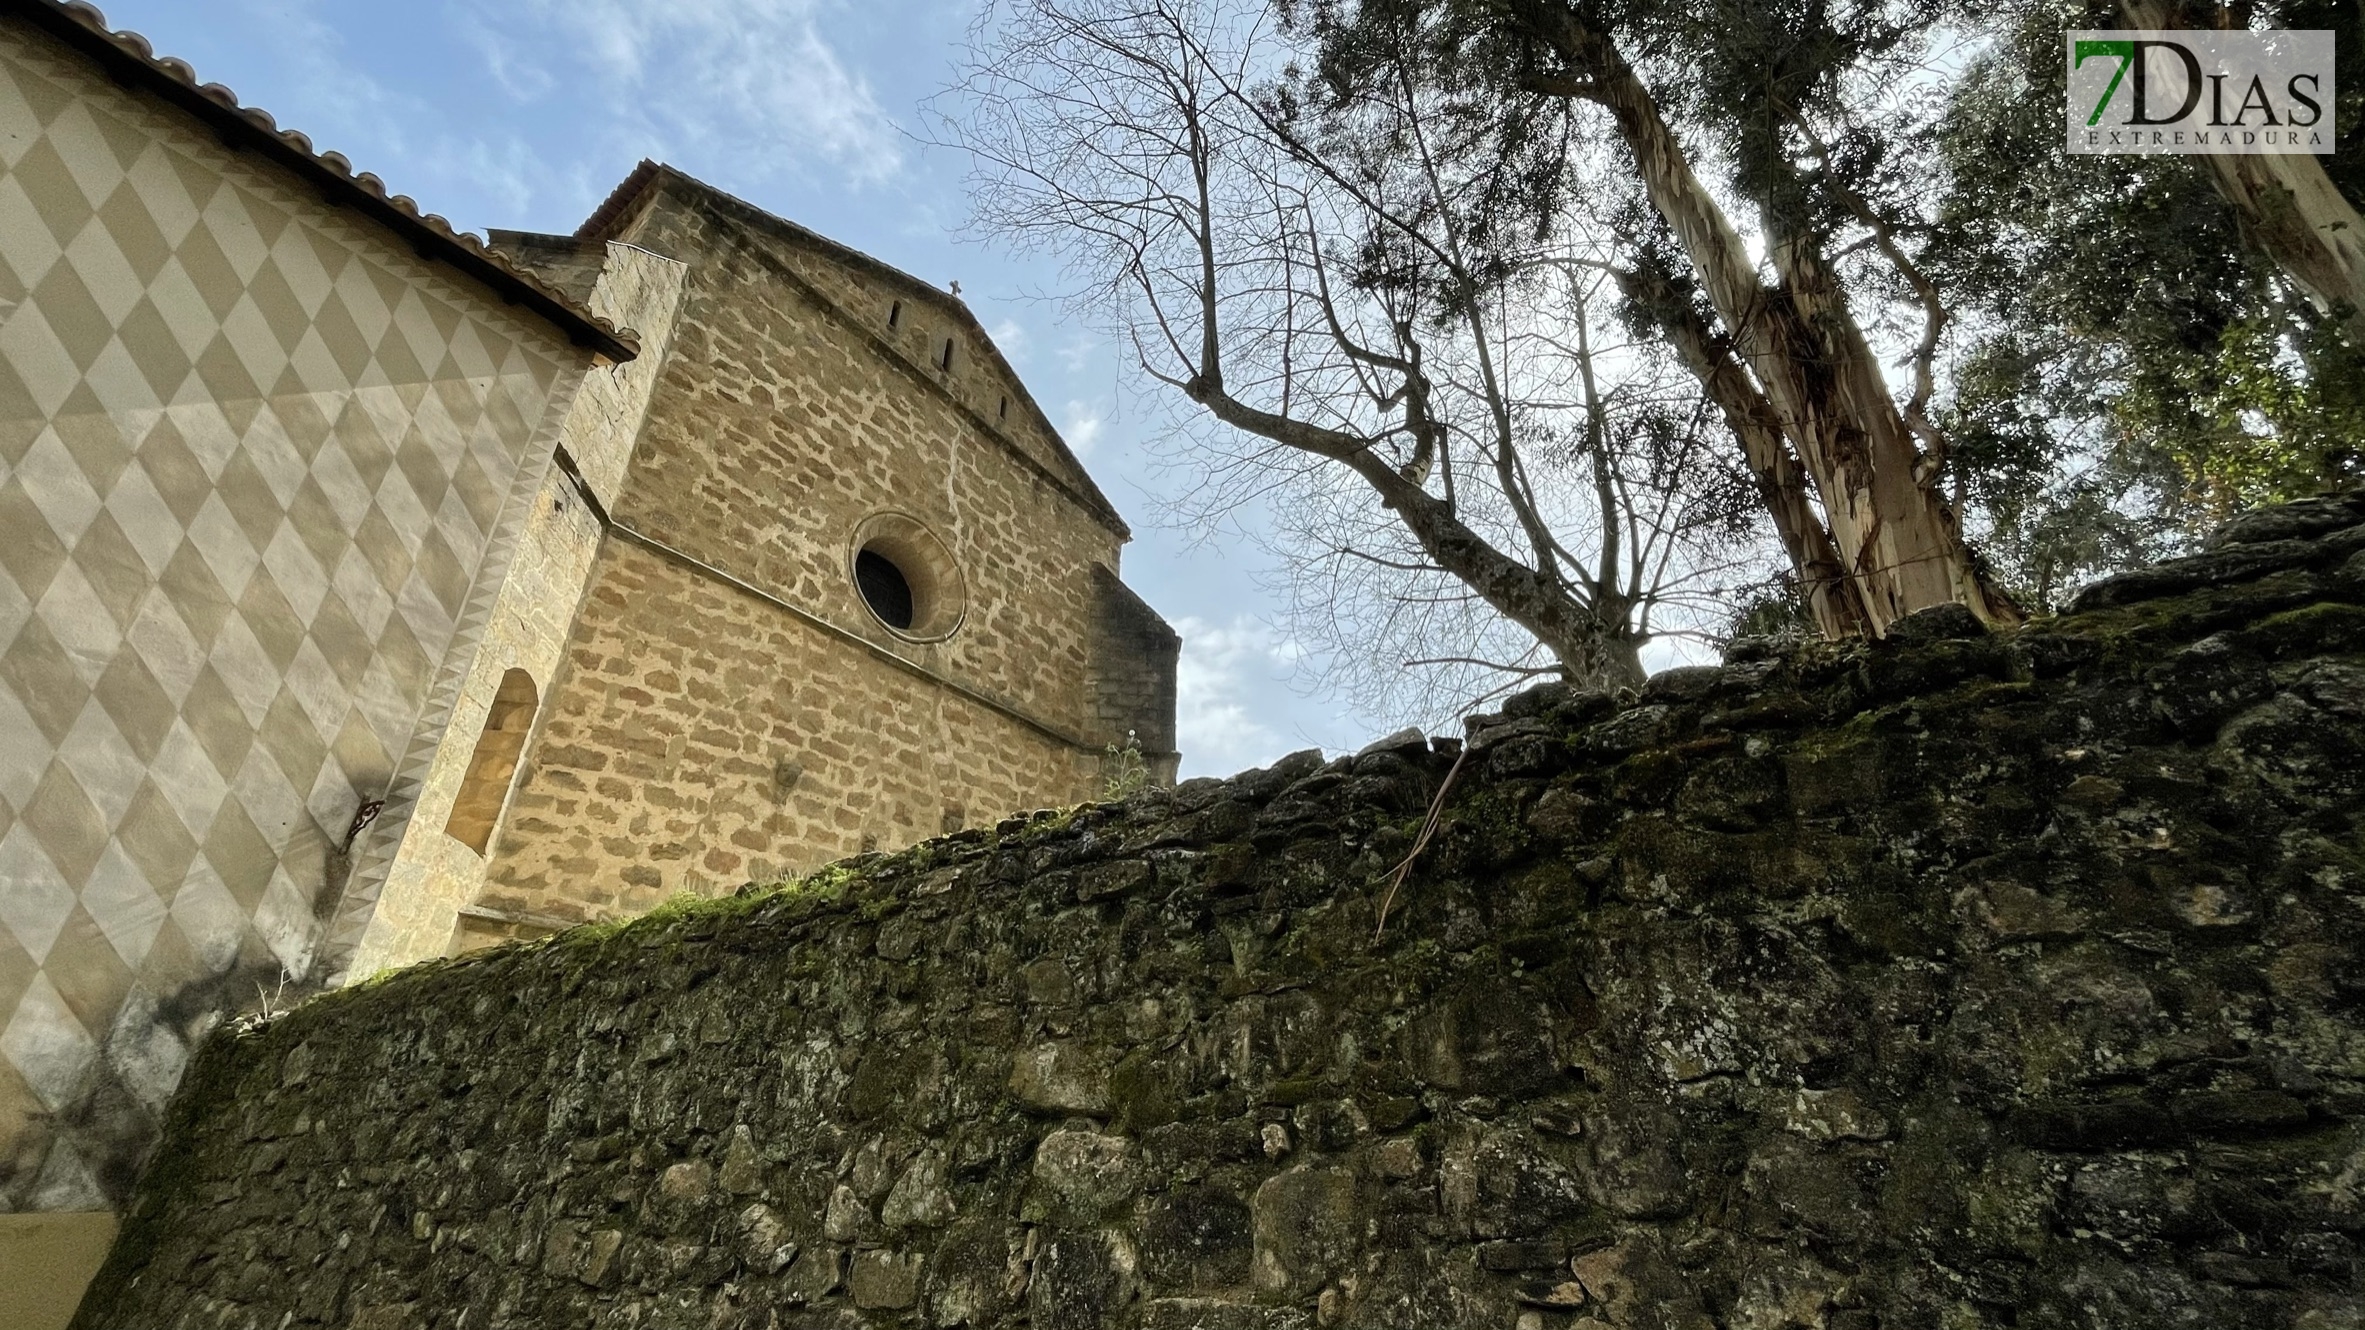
point(369, 593)
point(855, 590)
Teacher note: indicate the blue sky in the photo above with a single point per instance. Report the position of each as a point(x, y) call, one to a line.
point(524, 113)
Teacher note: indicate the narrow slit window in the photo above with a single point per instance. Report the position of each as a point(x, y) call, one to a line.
point(1002, 412)
point(945, 359)
point(485, 788)
point(894, 313)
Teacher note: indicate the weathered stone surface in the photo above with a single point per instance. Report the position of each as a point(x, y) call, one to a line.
point(1213, 1314)
point(1969, 982)
point(2301, 519)
point(1197, 1237)
point(697, 735)
point(1079, 1281)
point(1309, 1222)
point(687, 1184)
point(1062, 1077)
point(884, 1280)
point(742, 1168)
point(767, 1246)
point(919, 1197)
point(1082, 1177)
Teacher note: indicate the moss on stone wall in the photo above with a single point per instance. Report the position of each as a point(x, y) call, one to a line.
point(1953, 981)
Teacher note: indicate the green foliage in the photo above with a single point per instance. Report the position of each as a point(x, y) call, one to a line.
point(1774, 610)
point(2128, 371)
point(1843, 201)
point(826, 883)
point(1050, 822)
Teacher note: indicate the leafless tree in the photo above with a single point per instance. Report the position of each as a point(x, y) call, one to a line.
point(1468, 454)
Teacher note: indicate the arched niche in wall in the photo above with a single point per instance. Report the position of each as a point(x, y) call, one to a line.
point(486, 786)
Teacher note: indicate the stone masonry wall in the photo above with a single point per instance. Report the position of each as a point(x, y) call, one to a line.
point(776, 430)
point(869, 294)
point(756, 742)
point(434, 876)
point(1134, 657)
point(1958, 981)
point(698, 736)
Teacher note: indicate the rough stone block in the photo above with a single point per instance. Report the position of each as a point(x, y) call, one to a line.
point(884, 1280)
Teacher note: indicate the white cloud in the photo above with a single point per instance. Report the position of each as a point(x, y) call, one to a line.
point(1222, 668)
point(407, 138)
point(750, 82)
point(314, 53)
point(1010, 338)
point(1081, 426)
point(519, 77)
point(741, 91)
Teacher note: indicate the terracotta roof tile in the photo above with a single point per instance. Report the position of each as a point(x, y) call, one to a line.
point(131, 61)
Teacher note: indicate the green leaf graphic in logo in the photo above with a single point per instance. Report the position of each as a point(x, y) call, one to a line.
point(2125, 51)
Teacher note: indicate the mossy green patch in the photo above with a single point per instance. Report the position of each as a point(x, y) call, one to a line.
point(2328, 627)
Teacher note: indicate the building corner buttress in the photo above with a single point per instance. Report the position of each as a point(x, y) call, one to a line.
point(1134, 656)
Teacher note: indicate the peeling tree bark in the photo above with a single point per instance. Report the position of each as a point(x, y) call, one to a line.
point(1892, 532)
point(1908, 551)
point(1782, 484)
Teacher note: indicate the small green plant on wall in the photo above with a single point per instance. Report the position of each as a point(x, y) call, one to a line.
point(1124, 771)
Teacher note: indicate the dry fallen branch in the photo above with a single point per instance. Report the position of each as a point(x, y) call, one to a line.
point(1421, 842)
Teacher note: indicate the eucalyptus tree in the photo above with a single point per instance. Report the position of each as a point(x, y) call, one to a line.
point(2290, 207)
point(1760, 134)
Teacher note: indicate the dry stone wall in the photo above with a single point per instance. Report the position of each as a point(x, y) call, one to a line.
point(1956, 981)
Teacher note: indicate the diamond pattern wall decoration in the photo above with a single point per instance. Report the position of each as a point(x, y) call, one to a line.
point(254, 456)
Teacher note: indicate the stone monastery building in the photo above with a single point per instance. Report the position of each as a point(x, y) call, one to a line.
point(369, 593)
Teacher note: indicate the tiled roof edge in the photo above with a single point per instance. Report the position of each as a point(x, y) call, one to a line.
point(131, 62)
point(604, 219)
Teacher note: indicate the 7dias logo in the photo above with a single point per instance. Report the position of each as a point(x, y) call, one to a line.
point(2183, 91)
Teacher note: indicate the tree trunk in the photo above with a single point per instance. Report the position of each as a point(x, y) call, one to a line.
point(1913, 535)
point(2289, 209)
point(1592, 643)
point(1887, 524)
point(2291, 212)
point(1831, 595)
point(1621, 664)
